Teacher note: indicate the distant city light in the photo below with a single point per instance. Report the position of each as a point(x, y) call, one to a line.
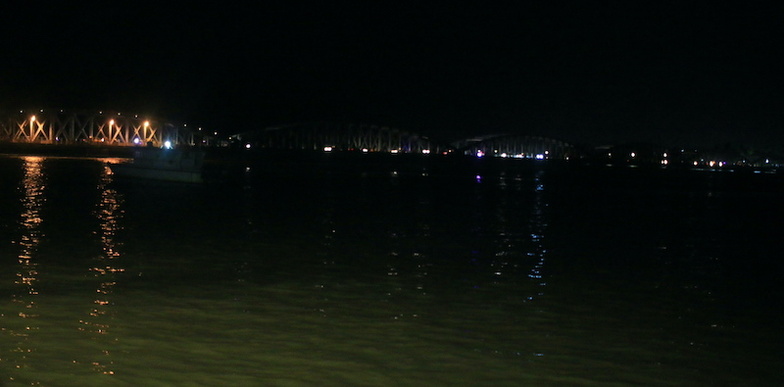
point(426, 151)
point(480, 153)
point(327, 149)
point(540, 156)
point(247, 146)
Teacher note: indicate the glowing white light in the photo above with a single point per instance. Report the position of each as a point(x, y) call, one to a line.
point(426, 151)
point(479, 153)
point(247, 146)
point(167, 144)
point(364, 150)
point(504, 155)
point(393, 151)
point(665, 155)
point(712, 163)
point(540, 156)
point(634, 155)
point(327, 149)
point(136, 140)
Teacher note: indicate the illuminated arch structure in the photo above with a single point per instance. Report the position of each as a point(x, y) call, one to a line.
point(339, 137)
point(95, 127)
point(517, 146)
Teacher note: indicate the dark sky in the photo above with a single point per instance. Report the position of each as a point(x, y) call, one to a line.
point(595, 72)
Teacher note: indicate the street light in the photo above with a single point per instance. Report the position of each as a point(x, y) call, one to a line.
point(32, 127)
point(111, 122)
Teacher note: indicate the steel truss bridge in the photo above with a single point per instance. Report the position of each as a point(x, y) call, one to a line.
point(94, 127)
point(374, 138)
point(518, 146)
point(338, 137)
point(112, 128)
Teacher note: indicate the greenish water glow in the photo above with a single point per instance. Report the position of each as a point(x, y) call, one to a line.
point(372, 278)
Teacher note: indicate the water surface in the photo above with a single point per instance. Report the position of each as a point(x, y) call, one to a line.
point(383, 272)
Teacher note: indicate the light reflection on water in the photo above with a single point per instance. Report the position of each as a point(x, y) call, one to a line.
point(27, 355)
point(371, 278)
point(99, 320)
point(26, 293)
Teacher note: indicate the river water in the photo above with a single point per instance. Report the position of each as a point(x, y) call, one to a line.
point(390, 272)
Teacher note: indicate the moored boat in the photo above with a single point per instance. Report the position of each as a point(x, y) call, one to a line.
point(177, 164)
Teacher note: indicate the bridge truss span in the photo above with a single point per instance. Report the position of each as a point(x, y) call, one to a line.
point(519, 146)
point(62, 127)
point(320, 136)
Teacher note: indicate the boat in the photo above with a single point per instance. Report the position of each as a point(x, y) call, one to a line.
point(177, 164)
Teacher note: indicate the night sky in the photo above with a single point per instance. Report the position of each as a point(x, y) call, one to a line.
point(671, 72)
